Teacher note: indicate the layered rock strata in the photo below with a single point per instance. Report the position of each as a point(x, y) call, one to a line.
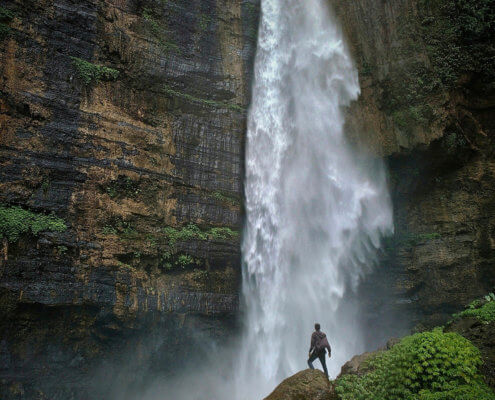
point(126, 119)
point(427, 106)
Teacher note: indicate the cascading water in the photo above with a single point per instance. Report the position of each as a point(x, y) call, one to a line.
point(315, 208)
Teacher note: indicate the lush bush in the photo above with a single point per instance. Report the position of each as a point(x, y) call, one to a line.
point(92, 73)
point(483, 309)
point(465, 392)
point(426, 364)
point(15, 221)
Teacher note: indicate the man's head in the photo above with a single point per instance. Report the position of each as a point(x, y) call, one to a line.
point(317, 326)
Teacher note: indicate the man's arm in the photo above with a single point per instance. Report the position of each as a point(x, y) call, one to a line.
point(313, 343)
point(327, 345)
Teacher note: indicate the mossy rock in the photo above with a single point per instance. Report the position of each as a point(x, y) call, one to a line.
point(310, 384)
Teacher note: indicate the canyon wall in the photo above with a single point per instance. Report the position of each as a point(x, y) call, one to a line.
point(124, 120)
point(428, 107)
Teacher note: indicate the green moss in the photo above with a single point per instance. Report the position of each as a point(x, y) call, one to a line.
point(5, 31)
point(208, 102)
point(91, 73)
point(421, 366)
point(15, 221)
point(483, 309)
point(192, 231)
point(415, 115)
point(123, 186)
point(5, 17)
point(172, 261)
point(409, 239)
point(109, 230)
point(124, 229)
point(441, 41)
point(204, 22)
point(158, 31)
point(222, 233)
point(226, 198)
point(62, 249)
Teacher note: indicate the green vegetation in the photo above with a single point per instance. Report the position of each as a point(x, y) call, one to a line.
point(252, 11)
point(226, 198)
point(208, 102)
point(483, 309)
point(172, 258)
point(124, 229)
point(409, 239)
point(204, 22)
point(172, 261)
point(5, 17)
point(123, 186)
point(62, 249)
point(109, 230)
point(16, 221)
point(426, 366)
point(158, 32)
point(192, 231)
point(453, 38)
point(91, 73)
point(45, 185)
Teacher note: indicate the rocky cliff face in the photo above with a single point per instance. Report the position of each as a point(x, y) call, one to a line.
point(428, 106)
point(125, 119)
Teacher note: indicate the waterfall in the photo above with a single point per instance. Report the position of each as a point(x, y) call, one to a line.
point(315, 208)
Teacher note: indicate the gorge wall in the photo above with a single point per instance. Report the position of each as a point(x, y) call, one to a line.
point(125, 119)
point(428, 107)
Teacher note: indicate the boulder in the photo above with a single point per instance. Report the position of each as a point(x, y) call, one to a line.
point(310, 384)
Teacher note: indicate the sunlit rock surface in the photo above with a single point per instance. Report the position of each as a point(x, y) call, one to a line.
point(120, 160)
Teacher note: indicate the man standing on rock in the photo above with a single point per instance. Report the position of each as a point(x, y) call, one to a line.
point(317, 348)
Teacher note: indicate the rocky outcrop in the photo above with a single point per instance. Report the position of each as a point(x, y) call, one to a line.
point(126, 119)
point(427, 106)
point(309, 384)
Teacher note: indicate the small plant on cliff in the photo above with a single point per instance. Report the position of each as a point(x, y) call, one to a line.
point(15, 221)
point(5, 17)
point(91, 73)
point(482, 309)
point(191, 231)
point(426, 366)
point(159, 32)
point(226, 198)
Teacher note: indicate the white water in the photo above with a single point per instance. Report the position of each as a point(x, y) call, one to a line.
point(315, 208)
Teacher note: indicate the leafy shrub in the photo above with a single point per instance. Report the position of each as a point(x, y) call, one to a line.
point(483, 309)
point(426, 364)
point(15, 221)
point(92, 73)
point(465, 392)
